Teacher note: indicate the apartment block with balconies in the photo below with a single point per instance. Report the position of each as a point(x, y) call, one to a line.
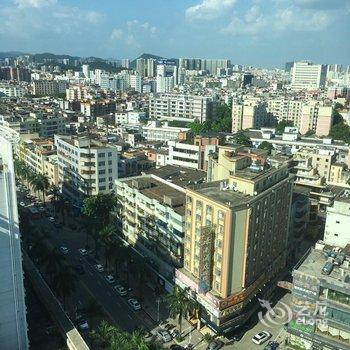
point(86, 166)
point(151, 215)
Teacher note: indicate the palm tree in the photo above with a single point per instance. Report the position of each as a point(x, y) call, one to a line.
point(179, 304)
point(103, 333)
point(42, 184)
point(105, 236)
point(92, 309)
point(64, 284)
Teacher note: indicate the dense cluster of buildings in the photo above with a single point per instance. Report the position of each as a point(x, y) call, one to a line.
point(221, 217)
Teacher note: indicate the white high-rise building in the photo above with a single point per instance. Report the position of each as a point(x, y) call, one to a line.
point(13, 324)
point(86, 70)
point(135, 82)
point(151, 65)
point(98, 75)
point(165, 84)
point(125, 63)
point(309, 76)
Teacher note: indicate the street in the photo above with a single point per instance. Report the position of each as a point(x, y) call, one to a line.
point(93, 285)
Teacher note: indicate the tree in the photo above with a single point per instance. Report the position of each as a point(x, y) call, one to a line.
point(282, 124)
point(64, 283)
point(267, 146)
point(340, 131)
point(42, 184)
point(242, 139)
point(310, 132)
point(103, 333)
point(97, 211)
point(105, 237)
point(179, 304)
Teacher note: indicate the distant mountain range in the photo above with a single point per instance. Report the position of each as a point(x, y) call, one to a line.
point(39, 57)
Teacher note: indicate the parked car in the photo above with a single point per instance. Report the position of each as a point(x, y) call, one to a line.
point(272, 345)
point(99, 268)
point(22, 204)
point(215, 345)
point(134, 304)
point(64, 250)
point(82, 324)
point(121, 290)
point(164, 336)
point(261, 337)
point(176, 347)
point(110, 279)
point(174, 332)
point(82, 251)
point(51, 219)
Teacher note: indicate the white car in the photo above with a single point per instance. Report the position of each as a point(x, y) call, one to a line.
point(134, 304)
point(83, 325)
point(261, 337)
point(99, 268)
point(121, 290)
point(110, 279)
point(164, 335)
point(82, 251)
point(64, 250)
point(51, 219)
point(22, 204)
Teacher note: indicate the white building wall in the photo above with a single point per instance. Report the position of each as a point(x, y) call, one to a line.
point(13, 324)
point(337, 230)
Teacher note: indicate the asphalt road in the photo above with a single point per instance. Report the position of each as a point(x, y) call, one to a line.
point(92, 283)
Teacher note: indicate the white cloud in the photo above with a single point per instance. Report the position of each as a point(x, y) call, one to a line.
point(34, 3)
point(209, 9)
point(116, 34)
point(133, 31)
point(282, 18)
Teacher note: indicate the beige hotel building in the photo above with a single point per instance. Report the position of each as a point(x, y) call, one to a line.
point(236, 236)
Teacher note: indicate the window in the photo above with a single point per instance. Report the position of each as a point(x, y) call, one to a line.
point(101, 172)
point(109, 154)
point(102, 179)
point(109, 162)
point(101, 163)
point(101, 155)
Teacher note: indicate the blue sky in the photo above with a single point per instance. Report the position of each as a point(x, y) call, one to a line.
point(264, 33)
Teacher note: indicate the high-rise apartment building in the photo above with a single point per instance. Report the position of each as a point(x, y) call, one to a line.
point(13, 324)
point(181, 107)
point(48, 87)
point(249, 113)
point(151, 67)
point(125, 63)
point(86, 70)
point(86, 166)
point(236, 236)
point(141, 66)
point(309, 76)
point(316, 116)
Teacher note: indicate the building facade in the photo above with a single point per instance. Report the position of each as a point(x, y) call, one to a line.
point(86, 166)
point(13, 329)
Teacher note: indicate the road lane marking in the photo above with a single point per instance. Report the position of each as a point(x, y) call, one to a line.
point(130, 317)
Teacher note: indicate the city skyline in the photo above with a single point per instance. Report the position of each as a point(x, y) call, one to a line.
point(245, 32)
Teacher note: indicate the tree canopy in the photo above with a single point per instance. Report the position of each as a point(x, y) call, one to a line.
point(266, 145)
point(242, 139)
point(221, 123)
point(282, 124)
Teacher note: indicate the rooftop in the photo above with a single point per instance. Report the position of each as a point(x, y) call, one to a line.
point(180, 176)
point(160, 191)
point(322, 254)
